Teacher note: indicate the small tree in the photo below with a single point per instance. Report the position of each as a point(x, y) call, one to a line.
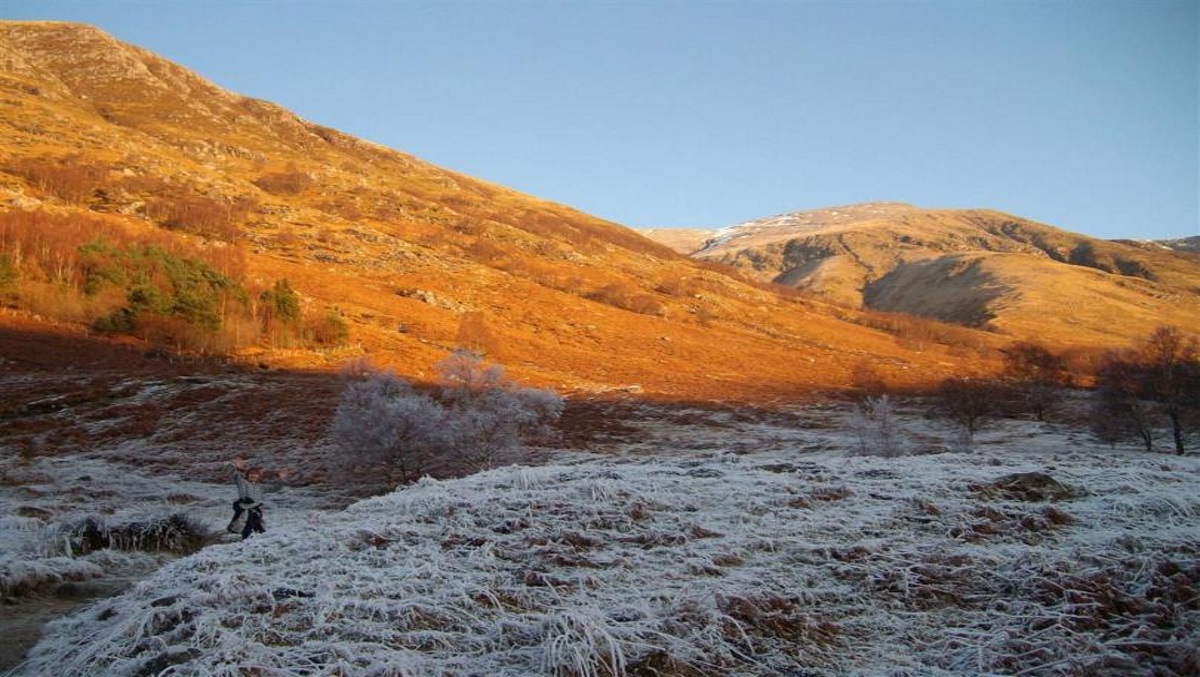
point(385, 428)
point(1170, 361)
point(874, 423)
point(1036, 377)
point(1159, 378)
point(968, 404)
point(491, 414)
point(279, 310)
point(1118, 410)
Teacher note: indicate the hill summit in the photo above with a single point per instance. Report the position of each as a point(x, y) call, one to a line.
point(975, 267)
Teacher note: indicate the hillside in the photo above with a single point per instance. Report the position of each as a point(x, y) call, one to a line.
point(975, 267)
point(228, 225)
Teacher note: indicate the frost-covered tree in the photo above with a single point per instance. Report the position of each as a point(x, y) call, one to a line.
point(387, 429)
point(874, 423)
point(490, 415)
point(382, 424)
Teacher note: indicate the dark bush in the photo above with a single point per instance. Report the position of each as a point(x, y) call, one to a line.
point(177, 533)
point(627, 297)
point(290, 182)
point(68, 179)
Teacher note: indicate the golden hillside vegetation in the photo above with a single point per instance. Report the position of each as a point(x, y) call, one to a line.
point(979, 268)
point(233, 226)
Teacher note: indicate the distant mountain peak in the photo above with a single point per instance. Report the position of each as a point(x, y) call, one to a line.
point(789, 224)
point(977, 267)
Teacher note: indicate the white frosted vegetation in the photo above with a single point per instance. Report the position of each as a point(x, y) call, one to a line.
point(762, 564)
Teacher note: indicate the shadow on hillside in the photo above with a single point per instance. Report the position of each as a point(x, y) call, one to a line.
point(68, 393)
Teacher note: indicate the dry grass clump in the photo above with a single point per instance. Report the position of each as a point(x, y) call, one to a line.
point(1026, 486)
point(1125, 613)
point(176, 533)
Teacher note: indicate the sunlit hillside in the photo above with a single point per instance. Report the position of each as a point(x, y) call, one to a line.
point(975, 267)
point(144, 201)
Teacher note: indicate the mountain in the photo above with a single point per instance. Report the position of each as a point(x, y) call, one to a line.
point(1183, 244)
point(143, 202)
point(979, 268)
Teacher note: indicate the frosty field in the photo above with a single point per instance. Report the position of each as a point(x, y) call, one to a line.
point(689, 541)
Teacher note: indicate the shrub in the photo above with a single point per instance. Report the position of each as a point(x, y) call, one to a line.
point(875, 425)
point(329, 329)
point(678, 286)
point(968, 404)
point(626, 296)
point(387, 430)
point(916, 333)
point(491, 415)
point(384, 427)
point(200, 215)
point(119, 321)
point(289, 182)
point(68, 179)
point(280, 303)
point(177, 533)
point(185, 295)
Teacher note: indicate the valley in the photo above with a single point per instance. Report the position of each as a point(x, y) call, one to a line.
point(755, 471)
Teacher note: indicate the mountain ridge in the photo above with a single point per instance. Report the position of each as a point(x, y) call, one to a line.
point(976, 267)
point(413, 259)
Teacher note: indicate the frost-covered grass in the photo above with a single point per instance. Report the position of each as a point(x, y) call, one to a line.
point(696, 563)
point(76, 518)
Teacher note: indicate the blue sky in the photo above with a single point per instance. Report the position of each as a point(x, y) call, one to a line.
point(1081, 114)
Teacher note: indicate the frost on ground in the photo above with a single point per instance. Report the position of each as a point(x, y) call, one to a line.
point(78, 526)
point(1021, 558)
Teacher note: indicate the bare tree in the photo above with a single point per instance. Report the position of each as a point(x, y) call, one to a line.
point(875, 424)
point(1036, 377)
point(1171, 363)
point(1119, 411)
point(968, 403)
point(1160, 377)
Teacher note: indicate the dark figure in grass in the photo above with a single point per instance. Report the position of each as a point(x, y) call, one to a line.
point(247, 517)
point(247, 511)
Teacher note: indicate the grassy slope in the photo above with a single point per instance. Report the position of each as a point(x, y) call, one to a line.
point(374, 222)
point(1029, 280)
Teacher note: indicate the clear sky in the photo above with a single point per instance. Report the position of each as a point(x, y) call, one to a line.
point(1084, 114)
